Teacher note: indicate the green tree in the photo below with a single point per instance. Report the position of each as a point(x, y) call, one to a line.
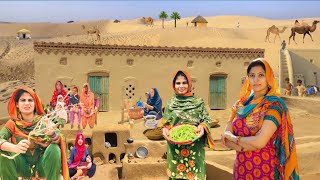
point(163, 15)
point(175, 16)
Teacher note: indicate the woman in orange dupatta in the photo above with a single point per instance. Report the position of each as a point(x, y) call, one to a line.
point(88, 111)
point(44, 156)
point(260, 129)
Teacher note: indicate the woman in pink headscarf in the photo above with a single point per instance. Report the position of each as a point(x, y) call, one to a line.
point(78, 154)
point(88, 111)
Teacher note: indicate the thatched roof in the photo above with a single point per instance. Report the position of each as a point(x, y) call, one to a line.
point(24, 31)
point(199, 19)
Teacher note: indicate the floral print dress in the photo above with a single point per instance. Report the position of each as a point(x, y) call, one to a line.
point(187, 161)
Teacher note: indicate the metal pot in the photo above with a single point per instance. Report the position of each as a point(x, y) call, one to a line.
point(130, 156)
point(130, 140)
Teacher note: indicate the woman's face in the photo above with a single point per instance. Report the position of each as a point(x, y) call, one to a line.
point(257, 79)
point(26, 104)
point(80, 141)
point(151, 92)
point(58, 85)
point(181, 85)
point(85, 88)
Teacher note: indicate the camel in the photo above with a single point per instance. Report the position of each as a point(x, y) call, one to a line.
point(274, 30)
point(303, 28)
point(92, 31)
point(147, 21)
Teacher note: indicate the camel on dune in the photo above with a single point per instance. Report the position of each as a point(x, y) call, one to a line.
point(147, 21)
point(303, 28)
point(274, 30)
point(92, 31)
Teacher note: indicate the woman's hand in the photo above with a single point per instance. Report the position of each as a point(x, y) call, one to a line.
point(165, 132)
point(228, 136)
point(22, 146)
point(50, 130)
point(200, 129)
point(147, 106)
point(144, 104)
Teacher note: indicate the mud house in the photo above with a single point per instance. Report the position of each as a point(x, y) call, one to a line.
point(116, 72)
point(199, 21)
point(24, 34)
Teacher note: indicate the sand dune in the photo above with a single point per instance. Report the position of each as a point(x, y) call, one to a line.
point(221, 32)
point(17, 63)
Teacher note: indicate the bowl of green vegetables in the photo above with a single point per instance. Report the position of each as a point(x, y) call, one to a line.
point(183, 134)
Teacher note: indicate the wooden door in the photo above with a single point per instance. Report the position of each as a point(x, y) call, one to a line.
point(217, 92)
point(99, 85)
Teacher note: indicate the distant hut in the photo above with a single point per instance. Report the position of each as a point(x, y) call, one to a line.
point(24, 34)
point(199, 21)
point(116, 21)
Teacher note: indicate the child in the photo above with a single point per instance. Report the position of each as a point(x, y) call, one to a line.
point(60, 109)
point(289, 87)
point(74, 106)
point(301, 88)
point(87, 142)
point(82, 169)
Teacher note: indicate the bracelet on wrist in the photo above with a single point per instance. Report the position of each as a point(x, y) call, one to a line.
point(54, 135)
point(55, 138)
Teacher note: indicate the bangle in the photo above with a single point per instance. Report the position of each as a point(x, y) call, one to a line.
point(2, 142)
point(238, 140)
point(54, 135)
point(55, 138)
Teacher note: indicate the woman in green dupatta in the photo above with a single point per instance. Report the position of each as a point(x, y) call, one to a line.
point(43, 156)
point(186, 161)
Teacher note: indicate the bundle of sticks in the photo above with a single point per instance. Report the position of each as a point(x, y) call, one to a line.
point(46, 123)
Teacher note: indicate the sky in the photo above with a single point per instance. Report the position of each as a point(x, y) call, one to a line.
point(63, 11)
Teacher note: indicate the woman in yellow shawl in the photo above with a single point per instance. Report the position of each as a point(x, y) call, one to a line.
point(260, 129)
point(44, 156)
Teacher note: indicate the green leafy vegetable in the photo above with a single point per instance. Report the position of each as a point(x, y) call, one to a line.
point(183, 133)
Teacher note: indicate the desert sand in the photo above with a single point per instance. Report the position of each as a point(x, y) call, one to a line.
point(17, 69)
